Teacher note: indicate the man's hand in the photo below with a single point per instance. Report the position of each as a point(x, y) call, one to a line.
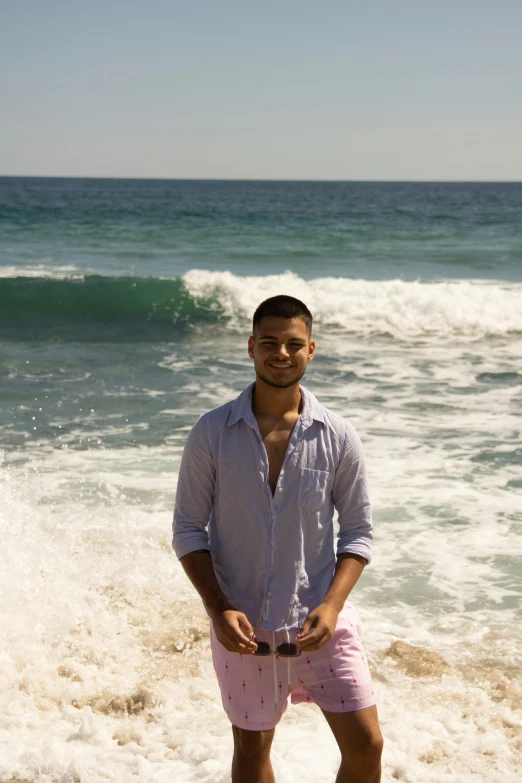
point(318, 628)
point(232, 627)
point(233, 630)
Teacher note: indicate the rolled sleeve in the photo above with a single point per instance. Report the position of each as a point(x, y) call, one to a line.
point(351, 499)
point(195, 493)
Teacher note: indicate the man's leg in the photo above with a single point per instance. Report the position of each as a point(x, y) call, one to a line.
point(360, 742)
point(251, 762)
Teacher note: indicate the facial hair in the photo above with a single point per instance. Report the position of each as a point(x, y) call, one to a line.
point(282, 384)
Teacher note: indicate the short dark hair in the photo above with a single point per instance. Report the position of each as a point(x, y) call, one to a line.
point(282, 306)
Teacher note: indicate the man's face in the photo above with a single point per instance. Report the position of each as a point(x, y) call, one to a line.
point(281, 348)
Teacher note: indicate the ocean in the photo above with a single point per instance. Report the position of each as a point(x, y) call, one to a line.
point(125, 307)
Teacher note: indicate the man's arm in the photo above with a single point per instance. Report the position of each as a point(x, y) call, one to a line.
point(347, 572)
point(194, 500)
point(351, 499)
point(350, 496)
point(232, 627)
point(320, 624)
point(194, 494)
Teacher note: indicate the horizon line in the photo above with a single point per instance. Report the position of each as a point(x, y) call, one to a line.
point(259, 179)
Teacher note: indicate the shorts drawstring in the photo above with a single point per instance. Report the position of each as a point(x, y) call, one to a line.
point(288, 661)
point(289, 676)
point(275, 669)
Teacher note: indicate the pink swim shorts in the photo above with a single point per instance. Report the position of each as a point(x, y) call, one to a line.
point(255, 690)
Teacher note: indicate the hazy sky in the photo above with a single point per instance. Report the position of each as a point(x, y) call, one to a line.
point(335, 89)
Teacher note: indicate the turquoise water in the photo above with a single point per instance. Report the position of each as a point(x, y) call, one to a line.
point(125, 307)
point(164, 228)
point(101, 279)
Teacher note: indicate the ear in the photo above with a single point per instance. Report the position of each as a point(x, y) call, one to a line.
point(251, 347)
point(311, 350)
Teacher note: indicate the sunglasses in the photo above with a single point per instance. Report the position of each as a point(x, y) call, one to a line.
point(284, 650)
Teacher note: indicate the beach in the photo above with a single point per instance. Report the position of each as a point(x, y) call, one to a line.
point(124, 311)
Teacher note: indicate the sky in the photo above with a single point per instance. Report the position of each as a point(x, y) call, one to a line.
point(231, 89)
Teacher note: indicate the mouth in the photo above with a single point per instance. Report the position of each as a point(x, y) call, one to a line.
point(280, 367)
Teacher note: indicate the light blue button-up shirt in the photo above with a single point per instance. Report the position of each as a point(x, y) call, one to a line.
point(274, 554)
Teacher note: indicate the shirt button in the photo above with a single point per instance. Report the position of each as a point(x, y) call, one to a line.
point(269, 593)
point(270, 569)
point(272, 543)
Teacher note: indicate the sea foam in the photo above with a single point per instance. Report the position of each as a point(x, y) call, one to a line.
point(402, 309)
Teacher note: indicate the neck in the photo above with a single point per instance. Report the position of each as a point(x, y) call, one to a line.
point(271, 401)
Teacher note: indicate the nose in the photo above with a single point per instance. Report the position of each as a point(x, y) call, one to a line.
point(282, 351)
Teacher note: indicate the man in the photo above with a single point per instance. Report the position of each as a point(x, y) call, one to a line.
point(259, 481)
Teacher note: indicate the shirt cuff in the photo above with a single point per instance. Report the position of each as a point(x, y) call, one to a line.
point(184, 543)
point(361, 548)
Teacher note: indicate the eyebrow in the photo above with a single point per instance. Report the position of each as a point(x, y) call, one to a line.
point(272, 337)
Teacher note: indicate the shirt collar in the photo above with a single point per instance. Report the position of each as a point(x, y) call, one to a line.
point(242, 407)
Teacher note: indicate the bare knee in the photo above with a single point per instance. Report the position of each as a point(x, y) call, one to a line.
point(367, 749)
point(252, 745)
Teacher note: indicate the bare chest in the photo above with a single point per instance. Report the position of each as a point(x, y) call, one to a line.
point(276, 443)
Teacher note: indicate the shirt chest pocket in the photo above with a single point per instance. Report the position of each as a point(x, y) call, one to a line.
point(313, 488)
